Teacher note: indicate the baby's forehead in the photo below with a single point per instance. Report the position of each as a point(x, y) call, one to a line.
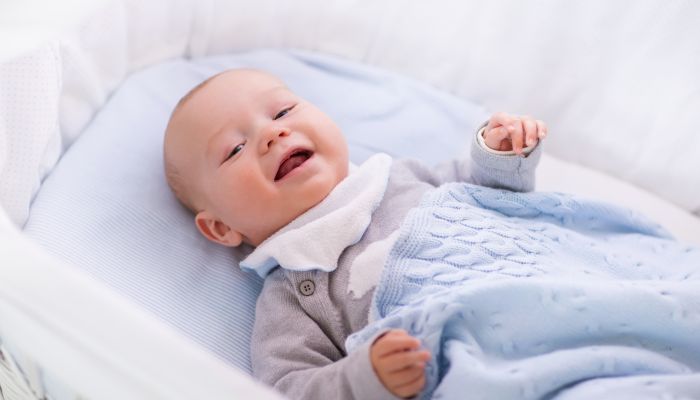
point(247, 79)
point(244, 87)
point(241, 86)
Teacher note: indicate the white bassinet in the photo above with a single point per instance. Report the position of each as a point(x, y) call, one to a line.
point(616, 82)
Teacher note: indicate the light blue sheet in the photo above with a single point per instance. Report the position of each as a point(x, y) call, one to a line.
point(542, 296)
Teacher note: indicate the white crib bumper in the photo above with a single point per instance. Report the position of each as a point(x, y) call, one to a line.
point(95, 341)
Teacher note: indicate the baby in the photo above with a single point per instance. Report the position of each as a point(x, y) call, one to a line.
point(258, 165)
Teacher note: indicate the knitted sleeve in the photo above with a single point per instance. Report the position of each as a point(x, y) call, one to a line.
point(290, 352)
point(492, 169)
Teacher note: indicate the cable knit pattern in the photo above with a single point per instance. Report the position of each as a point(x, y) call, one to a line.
point(538, 292)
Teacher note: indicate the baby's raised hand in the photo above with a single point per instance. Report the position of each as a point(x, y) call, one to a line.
point(509, 132)
point(399, 363)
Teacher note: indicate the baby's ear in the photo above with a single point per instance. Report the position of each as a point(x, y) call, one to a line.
point(215, 230)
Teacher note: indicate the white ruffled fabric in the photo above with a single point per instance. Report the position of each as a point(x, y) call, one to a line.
point(335, 223)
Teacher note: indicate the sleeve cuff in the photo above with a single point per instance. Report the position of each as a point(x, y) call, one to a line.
point(482, 143)
point(505, 171)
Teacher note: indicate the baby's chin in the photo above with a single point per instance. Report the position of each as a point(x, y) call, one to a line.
point(298, 204)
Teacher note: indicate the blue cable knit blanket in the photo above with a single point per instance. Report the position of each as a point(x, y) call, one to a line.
point(541, 296)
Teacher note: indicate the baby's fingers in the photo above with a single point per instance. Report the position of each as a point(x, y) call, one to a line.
point(395, 341)
point(530, 128)
point(515, 129)
point(494, 138)
point(399, 361)
point(541, 129)
point(411, 388)
point(408, 374)
point(498, 119)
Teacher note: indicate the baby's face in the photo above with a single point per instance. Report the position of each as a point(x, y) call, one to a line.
point(257, 155)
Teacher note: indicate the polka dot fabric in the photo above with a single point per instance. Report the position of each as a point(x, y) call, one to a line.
point(29, 136)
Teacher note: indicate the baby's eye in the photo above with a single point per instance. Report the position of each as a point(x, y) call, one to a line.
point(283, 113)
point(235, 151)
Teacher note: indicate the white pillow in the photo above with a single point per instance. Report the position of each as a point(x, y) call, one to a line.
point(106, 207)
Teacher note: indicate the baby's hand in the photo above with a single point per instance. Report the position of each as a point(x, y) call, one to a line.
point(398, 363)
point(508, 132)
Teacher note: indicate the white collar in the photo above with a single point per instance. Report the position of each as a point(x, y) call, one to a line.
point(315, 239)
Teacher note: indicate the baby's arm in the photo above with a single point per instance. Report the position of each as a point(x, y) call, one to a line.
point(291, 352)
point(498, 158)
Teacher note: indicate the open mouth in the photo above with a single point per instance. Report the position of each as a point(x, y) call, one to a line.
point(293, 161)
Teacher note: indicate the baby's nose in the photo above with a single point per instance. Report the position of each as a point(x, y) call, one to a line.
point(272, 135)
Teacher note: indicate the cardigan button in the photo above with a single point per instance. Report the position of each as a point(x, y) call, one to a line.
point(307, 287)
